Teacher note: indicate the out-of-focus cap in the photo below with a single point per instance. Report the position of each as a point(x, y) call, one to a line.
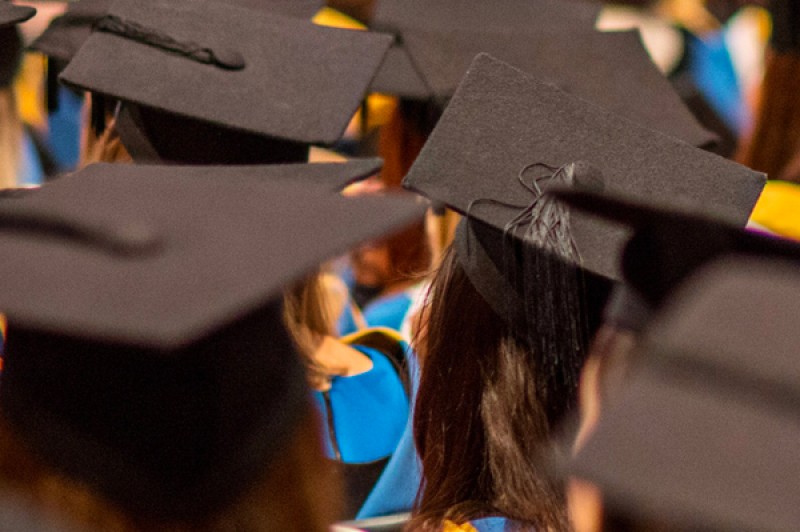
point(146, 354)
point(703, 437)
point(11, 14)
point(671, 243)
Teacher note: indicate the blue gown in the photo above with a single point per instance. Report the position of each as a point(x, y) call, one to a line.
point(370, 411)
point(397, 487)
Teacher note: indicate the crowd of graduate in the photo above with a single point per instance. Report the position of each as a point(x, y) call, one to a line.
point(383, 265)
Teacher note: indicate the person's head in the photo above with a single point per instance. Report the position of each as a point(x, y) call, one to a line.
point(487, 408)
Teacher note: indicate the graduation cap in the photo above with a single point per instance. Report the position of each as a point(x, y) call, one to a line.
point(11, 14)
point(505, 132)
point(146, 354)
point(704, 435)
point(669, 243)
point(67, 33)
point(403, 76)
point(326, 177)
point(194, 74)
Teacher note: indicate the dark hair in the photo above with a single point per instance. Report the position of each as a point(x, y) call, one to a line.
point(774, 145)
point(481, 422)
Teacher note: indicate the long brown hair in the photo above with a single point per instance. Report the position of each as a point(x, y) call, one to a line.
point(774, 145)
point(480, 424)
point(299, 492)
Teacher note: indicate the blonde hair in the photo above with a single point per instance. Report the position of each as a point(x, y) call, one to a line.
point(299, 491)
point(306, 314)
point(10, 138)
point(107, 148)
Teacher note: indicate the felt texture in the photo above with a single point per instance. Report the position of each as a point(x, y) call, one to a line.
point(401, 76)
point(612, 70)
point(735, 315)
point(13, 14)
point(671, 243)
point(306, 93)
point(123, 236)
point(399, 15)
point(67, 33)
point(696, 456)
point(398, 76)
point(502, 120)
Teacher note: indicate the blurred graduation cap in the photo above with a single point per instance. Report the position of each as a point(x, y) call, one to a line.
point(146, 354)
point(504, 130)
point(704, 435)
point(11, 14)
point(670, 243)
point(610, 69)
point(328, 177)
point(198, 77)
point(401, 75)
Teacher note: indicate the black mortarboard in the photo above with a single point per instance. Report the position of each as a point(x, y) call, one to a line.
point(13, 14)
point(785, 25)
point(704, 435)
point(402, 76)
point(610, 69)
point(670, 243)
point(67, 33)
point(504, 127)
point(146, 354)
point(217, 73)
point(327, 176)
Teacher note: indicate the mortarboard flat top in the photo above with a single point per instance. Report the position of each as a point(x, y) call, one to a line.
point(502, 123)
point(704, 433)
point(333, 176)
point(307, 93)
point(401, 75)
point(397, 16)
point(188, 230)
point(609, 69)
point(67, 33)
point(12, 14)
point(146, 354)
point(670, 243)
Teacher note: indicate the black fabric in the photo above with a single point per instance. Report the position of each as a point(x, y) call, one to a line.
point(669, 244)
point(502, 121)
point(404, 76)
point(191, 227)
point(13, 14)
point(157, 136)
point(306, 93)
point(609, 69)
point(165, 436)
point(702, 436)
point(10, 55)
point(67, 33)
